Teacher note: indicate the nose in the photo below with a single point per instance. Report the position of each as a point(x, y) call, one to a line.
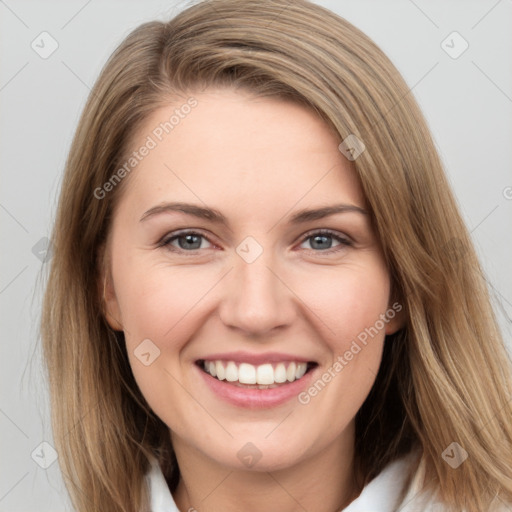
point(257, 300)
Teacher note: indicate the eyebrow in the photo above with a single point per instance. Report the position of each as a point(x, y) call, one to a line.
point(213, 215)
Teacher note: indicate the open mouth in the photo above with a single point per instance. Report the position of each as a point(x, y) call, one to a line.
point(263, 376)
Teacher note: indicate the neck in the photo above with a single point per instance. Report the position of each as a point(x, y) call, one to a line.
point(205, 485)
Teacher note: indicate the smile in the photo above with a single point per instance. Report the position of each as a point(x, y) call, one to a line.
point(251, 380)
point(263, 376)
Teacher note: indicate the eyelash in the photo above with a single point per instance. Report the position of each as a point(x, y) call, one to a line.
point(344, 242)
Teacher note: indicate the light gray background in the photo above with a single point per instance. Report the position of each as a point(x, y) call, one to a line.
point(467, 102)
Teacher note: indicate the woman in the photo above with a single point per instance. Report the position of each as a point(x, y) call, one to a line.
point(206, 351)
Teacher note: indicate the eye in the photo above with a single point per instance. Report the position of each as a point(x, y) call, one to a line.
point(321, 241)
point(191, 241)
point(188, 241)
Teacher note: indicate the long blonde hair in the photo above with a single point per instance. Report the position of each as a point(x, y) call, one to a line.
point(444, 377)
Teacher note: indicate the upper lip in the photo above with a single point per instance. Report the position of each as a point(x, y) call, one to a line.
point(256, 359)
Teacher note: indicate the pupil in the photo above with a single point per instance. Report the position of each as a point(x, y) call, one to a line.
point(323, 239)
point(190, 240)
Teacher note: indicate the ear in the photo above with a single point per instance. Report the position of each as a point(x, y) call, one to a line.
point(109, 304)
point(396, 317)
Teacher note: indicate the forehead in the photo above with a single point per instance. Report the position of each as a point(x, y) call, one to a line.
point(232, 150)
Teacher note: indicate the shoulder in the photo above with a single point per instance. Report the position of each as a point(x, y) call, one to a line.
point(415, 498)
point(401, 486)
point(382, 493)
point(398, 487)
point(161, 499)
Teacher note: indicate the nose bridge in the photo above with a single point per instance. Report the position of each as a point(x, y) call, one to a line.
point(256, 300)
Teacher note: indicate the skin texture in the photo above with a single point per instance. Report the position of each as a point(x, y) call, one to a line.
point(258, 161)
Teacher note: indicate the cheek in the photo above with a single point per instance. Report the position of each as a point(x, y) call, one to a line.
point(163, 305)
point(346, 301)
point(348, 305)
point(156, 299)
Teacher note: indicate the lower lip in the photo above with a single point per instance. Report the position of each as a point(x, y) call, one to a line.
point(254, 398)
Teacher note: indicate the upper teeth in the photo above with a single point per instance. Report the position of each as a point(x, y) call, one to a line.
point(264, 374)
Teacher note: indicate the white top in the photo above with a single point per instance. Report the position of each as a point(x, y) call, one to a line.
point(380, 495)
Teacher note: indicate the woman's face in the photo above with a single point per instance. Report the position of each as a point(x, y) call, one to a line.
point(247, 284)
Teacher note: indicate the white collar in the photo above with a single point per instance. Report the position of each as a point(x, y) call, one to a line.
point(380, 495)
